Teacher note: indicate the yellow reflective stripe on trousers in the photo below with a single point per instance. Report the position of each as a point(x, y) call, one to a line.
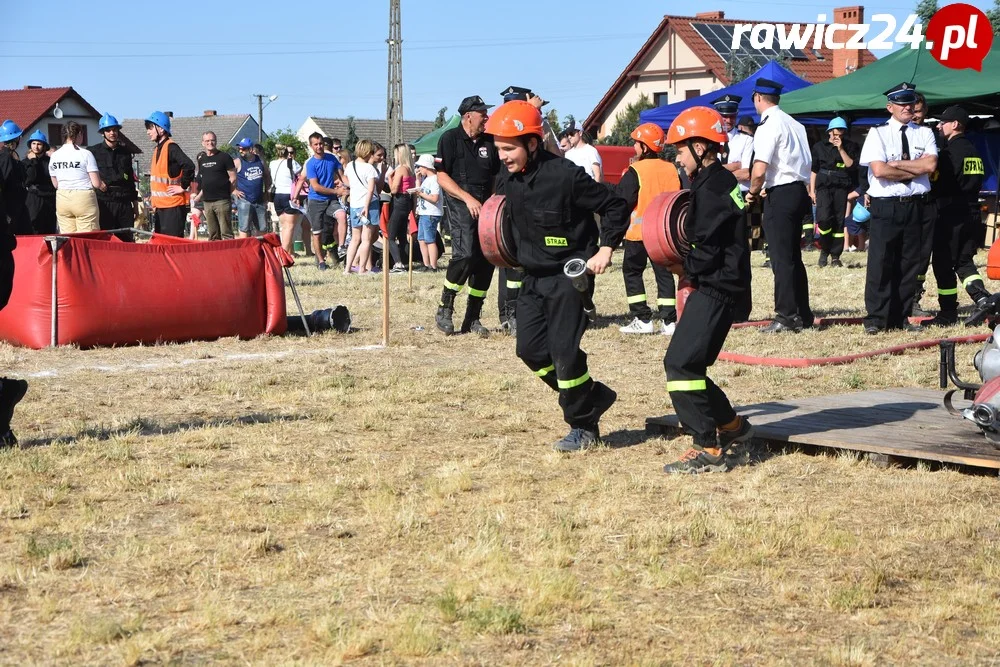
point(971, 279)
point(686, 385)
point(822, 232)
point(666, 302)
point(569, 384)
point(807, 226)
point(452, 286)
point(948, 292)
point(513, 284)
point(838, 236)
point(479, 293)
point(542, 372)
point(638, 298)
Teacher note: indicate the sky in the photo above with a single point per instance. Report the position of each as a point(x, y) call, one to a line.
point(324, 58)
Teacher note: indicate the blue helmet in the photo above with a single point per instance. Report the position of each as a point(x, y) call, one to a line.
point(38, 135)
point(245, 143)
point(860, 213)
point(837, 123)
point(159, 118)
point(108, 121)
point(9, 131)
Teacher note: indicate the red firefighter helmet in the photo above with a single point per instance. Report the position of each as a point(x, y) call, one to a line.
point(651, 136)
point(697, 122)
point(516, 118)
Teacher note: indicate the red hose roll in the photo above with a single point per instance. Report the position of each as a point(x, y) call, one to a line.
point(663, 232)
point(495, 238)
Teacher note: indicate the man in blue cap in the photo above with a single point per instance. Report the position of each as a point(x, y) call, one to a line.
point(834, 174)
point(252, 181)
point(900, 156)
point(781, 165)
point(118, 202)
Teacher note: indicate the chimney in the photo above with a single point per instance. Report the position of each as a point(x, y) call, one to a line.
point(716, 15)
point(170, 114)
point(211, 112)
point(32, 87)
point(846, 61)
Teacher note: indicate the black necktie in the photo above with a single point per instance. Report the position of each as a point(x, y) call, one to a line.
point(906, 144)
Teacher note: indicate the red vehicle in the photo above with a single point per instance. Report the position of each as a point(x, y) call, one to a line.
point(615, 161)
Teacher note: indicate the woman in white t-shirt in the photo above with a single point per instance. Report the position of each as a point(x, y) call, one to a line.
point(75, 175)
point(365, 207)
point(284, 171)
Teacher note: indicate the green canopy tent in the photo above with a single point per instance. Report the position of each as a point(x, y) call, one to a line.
point(861, 91)
point(428, 144)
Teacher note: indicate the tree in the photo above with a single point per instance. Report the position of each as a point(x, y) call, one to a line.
point(568, 121)
point(740, 67)
point(994, 17)
point(626, 121)
point(925, 10)
point(440, 120)
point(351, 140)
point(285, 137)
point(553, 119)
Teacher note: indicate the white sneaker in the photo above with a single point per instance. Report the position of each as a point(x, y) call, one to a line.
point(637, 326)
point(667, 329)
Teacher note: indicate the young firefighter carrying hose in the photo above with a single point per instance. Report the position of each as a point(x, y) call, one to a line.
point(718, 266)
point(551, 203)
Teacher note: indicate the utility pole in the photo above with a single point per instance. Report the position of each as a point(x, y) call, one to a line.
point(394, 95)
point(260, 114)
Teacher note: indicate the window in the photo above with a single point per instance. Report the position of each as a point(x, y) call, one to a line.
point(661, 99)
point(690, 94)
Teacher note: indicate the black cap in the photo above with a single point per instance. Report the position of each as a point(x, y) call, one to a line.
point(902, 93)
point(727, 104)
point(473, 103)
point(767, 87)
point(746, 120)
point(955, 112)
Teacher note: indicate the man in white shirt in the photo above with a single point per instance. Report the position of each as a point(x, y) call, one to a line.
point(782, 163)
point(900, 156)
point(740, 146)
point(583, 154)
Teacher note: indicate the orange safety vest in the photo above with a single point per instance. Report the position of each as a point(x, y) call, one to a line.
point(160, 180)
point(655, 177)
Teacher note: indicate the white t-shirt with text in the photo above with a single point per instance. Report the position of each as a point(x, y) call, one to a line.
point(71, 166)
point(430, 186)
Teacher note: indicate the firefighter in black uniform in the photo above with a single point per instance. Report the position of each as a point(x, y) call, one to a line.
point(15, 194)
point(11, 391)
point(118, 203)
point(466, 166)
point(551, 203)
point(958, 229)
point(834, 175)
point(718, 266)
point(41, 197)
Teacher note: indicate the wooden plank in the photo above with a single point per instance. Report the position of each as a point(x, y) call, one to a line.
point(891, 424)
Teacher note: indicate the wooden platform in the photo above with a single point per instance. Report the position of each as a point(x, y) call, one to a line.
point(894, 425)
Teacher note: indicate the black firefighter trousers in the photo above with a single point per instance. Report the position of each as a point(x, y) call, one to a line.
point(550, 326)
point(831, 204)
point(700, 405)
point(467, 262)
point(633, 266)
point(957, 233)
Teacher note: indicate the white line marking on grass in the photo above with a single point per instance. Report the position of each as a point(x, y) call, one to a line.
point(154, 365)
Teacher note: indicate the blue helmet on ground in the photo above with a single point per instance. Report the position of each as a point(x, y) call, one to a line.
point(9, 131)
point(860, 213)
point(159, 118)
point(245, 143)
point(837, 123)
point(108, 121)
point(38, 135)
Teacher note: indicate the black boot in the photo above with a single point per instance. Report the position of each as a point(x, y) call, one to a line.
point(471, 323)
point(445, 312)
point(11, 392)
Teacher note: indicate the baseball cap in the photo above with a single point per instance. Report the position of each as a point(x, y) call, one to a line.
point(245, 143)
point(955, 112)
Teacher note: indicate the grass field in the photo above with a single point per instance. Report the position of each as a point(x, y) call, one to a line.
point(317, 501)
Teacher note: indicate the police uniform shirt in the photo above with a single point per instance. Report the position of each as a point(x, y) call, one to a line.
point(471, 162)
point(741, 150)
point(781, 142)
point(885, 144)
point(960, 170)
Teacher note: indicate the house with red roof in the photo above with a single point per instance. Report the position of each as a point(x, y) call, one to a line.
point(687, 56)
point(46, 109)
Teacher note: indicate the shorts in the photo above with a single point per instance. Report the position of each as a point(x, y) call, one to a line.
point(318, 210)
point(427, 227)
point(373, 215)
point(243, 211)
point(283, 205)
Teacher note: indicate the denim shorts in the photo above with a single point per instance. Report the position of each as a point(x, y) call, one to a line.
point(243, 209)
point(427, 226)
point(373, 215)
point(283, 205)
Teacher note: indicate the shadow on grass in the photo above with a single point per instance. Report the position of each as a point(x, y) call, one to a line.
point(148, 427)
point(626, 438)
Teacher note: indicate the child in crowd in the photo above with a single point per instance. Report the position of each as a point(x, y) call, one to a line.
point(429, 210)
